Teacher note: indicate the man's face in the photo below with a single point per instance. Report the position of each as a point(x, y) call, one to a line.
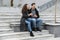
point(33, 7)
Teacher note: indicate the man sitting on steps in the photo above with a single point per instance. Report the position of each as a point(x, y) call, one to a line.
point(37, 22)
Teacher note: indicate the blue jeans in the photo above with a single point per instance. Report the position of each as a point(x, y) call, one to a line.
point(28, 25)
point(37, 22)
point(28, 22)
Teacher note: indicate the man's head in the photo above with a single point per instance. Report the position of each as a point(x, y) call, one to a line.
point(33, 5)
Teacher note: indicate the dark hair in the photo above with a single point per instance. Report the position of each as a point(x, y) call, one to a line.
point(24, 9)
point(32, 4)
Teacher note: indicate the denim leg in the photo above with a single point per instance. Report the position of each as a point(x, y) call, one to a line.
point(39, 22)
point(33, 21)
point(28, 25)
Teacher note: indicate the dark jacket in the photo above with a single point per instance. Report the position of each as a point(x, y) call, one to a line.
point(25, 14)
point(23, 18)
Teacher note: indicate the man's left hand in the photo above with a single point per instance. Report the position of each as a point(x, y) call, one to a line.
point(35, 15)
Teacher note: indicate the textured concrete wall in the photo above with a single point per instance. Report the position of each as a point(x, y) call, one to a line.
point(39, 2)
point(0, 2)
point(17, 2)
point(8, 3)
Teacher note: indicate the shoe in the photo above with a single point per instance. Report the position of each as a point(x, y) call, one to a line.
point(39, 29)
point(31, 34)
point(35, 29)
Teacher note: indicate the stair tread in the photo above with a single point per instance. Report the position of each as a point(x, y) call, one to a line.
point(54, 38)
point(53, 23)
point(4, 29)
point(22, 33)
point(28, 37)
point(4, 24)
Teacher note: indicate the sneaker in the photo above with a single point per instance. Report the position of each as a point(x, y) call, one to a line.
point(31, 34)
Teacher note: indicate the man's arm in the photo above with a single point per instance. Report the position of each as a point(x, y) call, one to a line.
point(37, 13)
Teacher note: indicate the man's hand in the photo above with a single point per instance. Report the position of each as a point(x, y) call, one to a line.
point(30, 14)
point(35, 15)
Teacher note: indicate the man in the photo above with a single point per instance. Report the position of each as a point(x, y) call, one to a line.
point(37, 22)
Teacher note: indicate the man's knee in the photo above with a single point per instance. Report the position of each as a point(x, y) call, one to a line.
point(39, 19)
point(33, 19)
point(27, 22)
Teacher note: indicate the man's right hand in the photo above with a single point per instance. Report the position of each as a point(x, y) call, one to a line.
point(30, 14)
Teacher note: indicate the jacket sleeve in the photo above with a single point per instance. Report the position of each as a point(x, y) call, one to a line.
point(37, 13)
point(25, 15)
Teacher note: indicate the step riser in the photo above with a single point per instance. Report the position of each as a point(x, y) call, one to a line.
point(24, 35)
point(44, 38)
point(4, 27)
point(11, 36)
point(19, 19)
point(3, 32)
point(36, 38)
point(20, 36)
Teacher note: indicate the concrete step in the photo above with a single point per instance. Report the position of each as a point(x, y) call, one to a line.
point(10, 16)
point(10, 13)
point(4, 26)
point(54, 38)
point(40, 37)
point(20, 17)
point(16, 14)
point(50, 16)
point(58, 21)
point(2, 31)
point(9, 9)
point(16, 22)
point(44, 20)
point(13, 18)
point(47, 14)
point(13, 14)
point(22, 34)
point(56, 24)
point(9, 20)
point(50, 13)
point(48, 21)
